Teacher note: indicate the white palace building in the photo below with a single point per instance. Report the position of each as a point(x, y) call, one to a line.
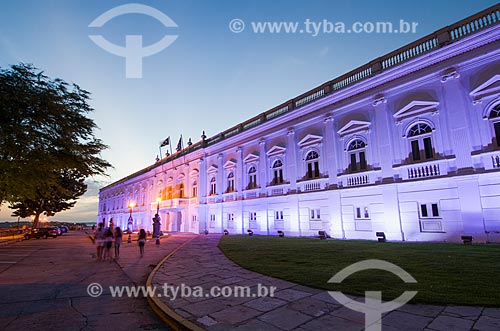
point(408, 145)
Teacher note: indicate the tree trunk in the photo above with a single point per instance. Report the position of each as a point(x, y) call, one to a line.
point(35, 220)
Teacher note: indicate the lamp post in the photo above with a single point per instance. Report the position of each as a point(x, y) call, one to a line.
point(130, 223)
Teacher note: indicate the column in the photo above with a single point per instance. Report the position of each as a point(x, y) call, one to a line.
point(330, 150)
point(263, 171)
point(291, 160)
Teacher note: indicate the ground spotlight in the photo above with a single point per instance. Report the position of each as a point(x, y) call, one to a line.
point(381, 237)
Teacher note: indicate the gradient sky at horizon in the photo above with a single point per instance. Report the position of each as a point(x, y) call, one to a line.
point(210, 78)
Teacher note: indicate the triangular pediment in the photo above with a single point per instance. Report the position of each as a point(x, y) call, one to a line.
point(416, 107)
point(212, 169)
point(251, 158)
point(229, 164)
point(194, 173)
point(310, 139)
point(354, 126)
point(491, 86)
point(276, 150)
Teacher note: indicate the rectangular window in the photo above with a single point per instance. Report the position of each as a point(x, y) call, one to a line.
point(281, 174)
point(212, 217)
point(318, 215)
point(195, 191)
point(428, 148)
point(423, 211)
point(316, 169)
point(353, 162)
point(279, 215)
point(429, 210)
point(230, 216)
point(415, 150)
point(362, 161)
point(253, 216)
point(309, 170)
point(312, 214)
point(435, 210)
point(497, 132)
point(362, 213)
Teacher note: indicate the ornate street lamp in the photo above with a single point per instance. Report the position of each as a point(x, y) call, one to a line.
point(130, 223)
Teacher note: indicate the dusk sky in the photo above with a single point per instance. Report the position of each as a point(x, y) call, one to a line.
point(209, 78)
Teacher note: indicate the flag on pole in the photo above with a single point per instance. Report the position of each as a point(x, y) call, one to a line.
point(179, 144)
point(165, 142)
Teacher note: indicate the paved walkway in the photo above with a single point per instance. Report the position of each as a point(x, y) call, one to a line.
point(293, 307)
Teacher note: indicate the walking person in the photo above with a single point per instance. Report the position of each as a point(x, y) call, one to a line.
point(99, 241)
point(142, 241)
point(118, 241)
point(108, 243)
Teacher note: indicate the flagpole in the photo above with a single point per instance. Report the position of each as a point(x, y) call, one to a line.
point(170, 144)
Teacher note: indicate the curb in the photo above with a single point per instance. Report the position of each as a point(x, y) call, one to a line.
point(174, 320)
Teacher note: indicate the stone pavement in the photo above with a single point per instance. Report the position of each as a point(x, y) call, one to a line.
point(44, 285)
point(293, 307)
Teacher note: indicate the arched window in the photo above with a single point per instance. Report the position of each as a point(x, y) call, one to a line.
point(420, 136)
point(252, 177)
point(169, 192)
point(213, 186)
point(230, 182)
point(356, 152)
point(277, 172)
point(312, 161)
point(495, 118)
point(195, 189)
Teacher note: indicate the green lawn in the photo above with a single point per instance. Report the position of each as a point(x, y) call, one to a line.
point(446, 273)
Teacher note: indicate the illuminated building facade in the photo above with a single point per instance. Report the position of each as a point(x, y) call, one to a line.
point(408, 145)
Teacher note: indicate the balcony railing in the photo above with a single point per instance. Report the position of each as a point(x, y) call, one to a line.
point(279, 189)
point(252, 194)
point(313, 185)
point(495, 161)
point(423, 170)
point(359, 179)
point(488, 160)
point(231, 196)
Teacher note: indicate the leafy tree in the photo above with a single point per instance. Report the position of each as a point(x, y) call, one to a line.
point(47, 144)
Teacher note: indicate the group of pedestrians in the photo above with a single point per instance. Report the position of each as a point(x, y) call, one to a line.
point(106, 237)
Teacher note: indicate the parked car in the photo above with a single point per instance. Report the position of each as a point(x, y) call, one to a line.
point(41, 233)
point(64, 228)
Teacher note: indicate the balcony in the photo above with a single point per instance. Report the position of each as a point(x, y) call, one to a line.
point(230, 196)
point(422, 170)
point(360, 179)
point(488, 160)
point(313, 185)
point(252, 194)
point(277, 189)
